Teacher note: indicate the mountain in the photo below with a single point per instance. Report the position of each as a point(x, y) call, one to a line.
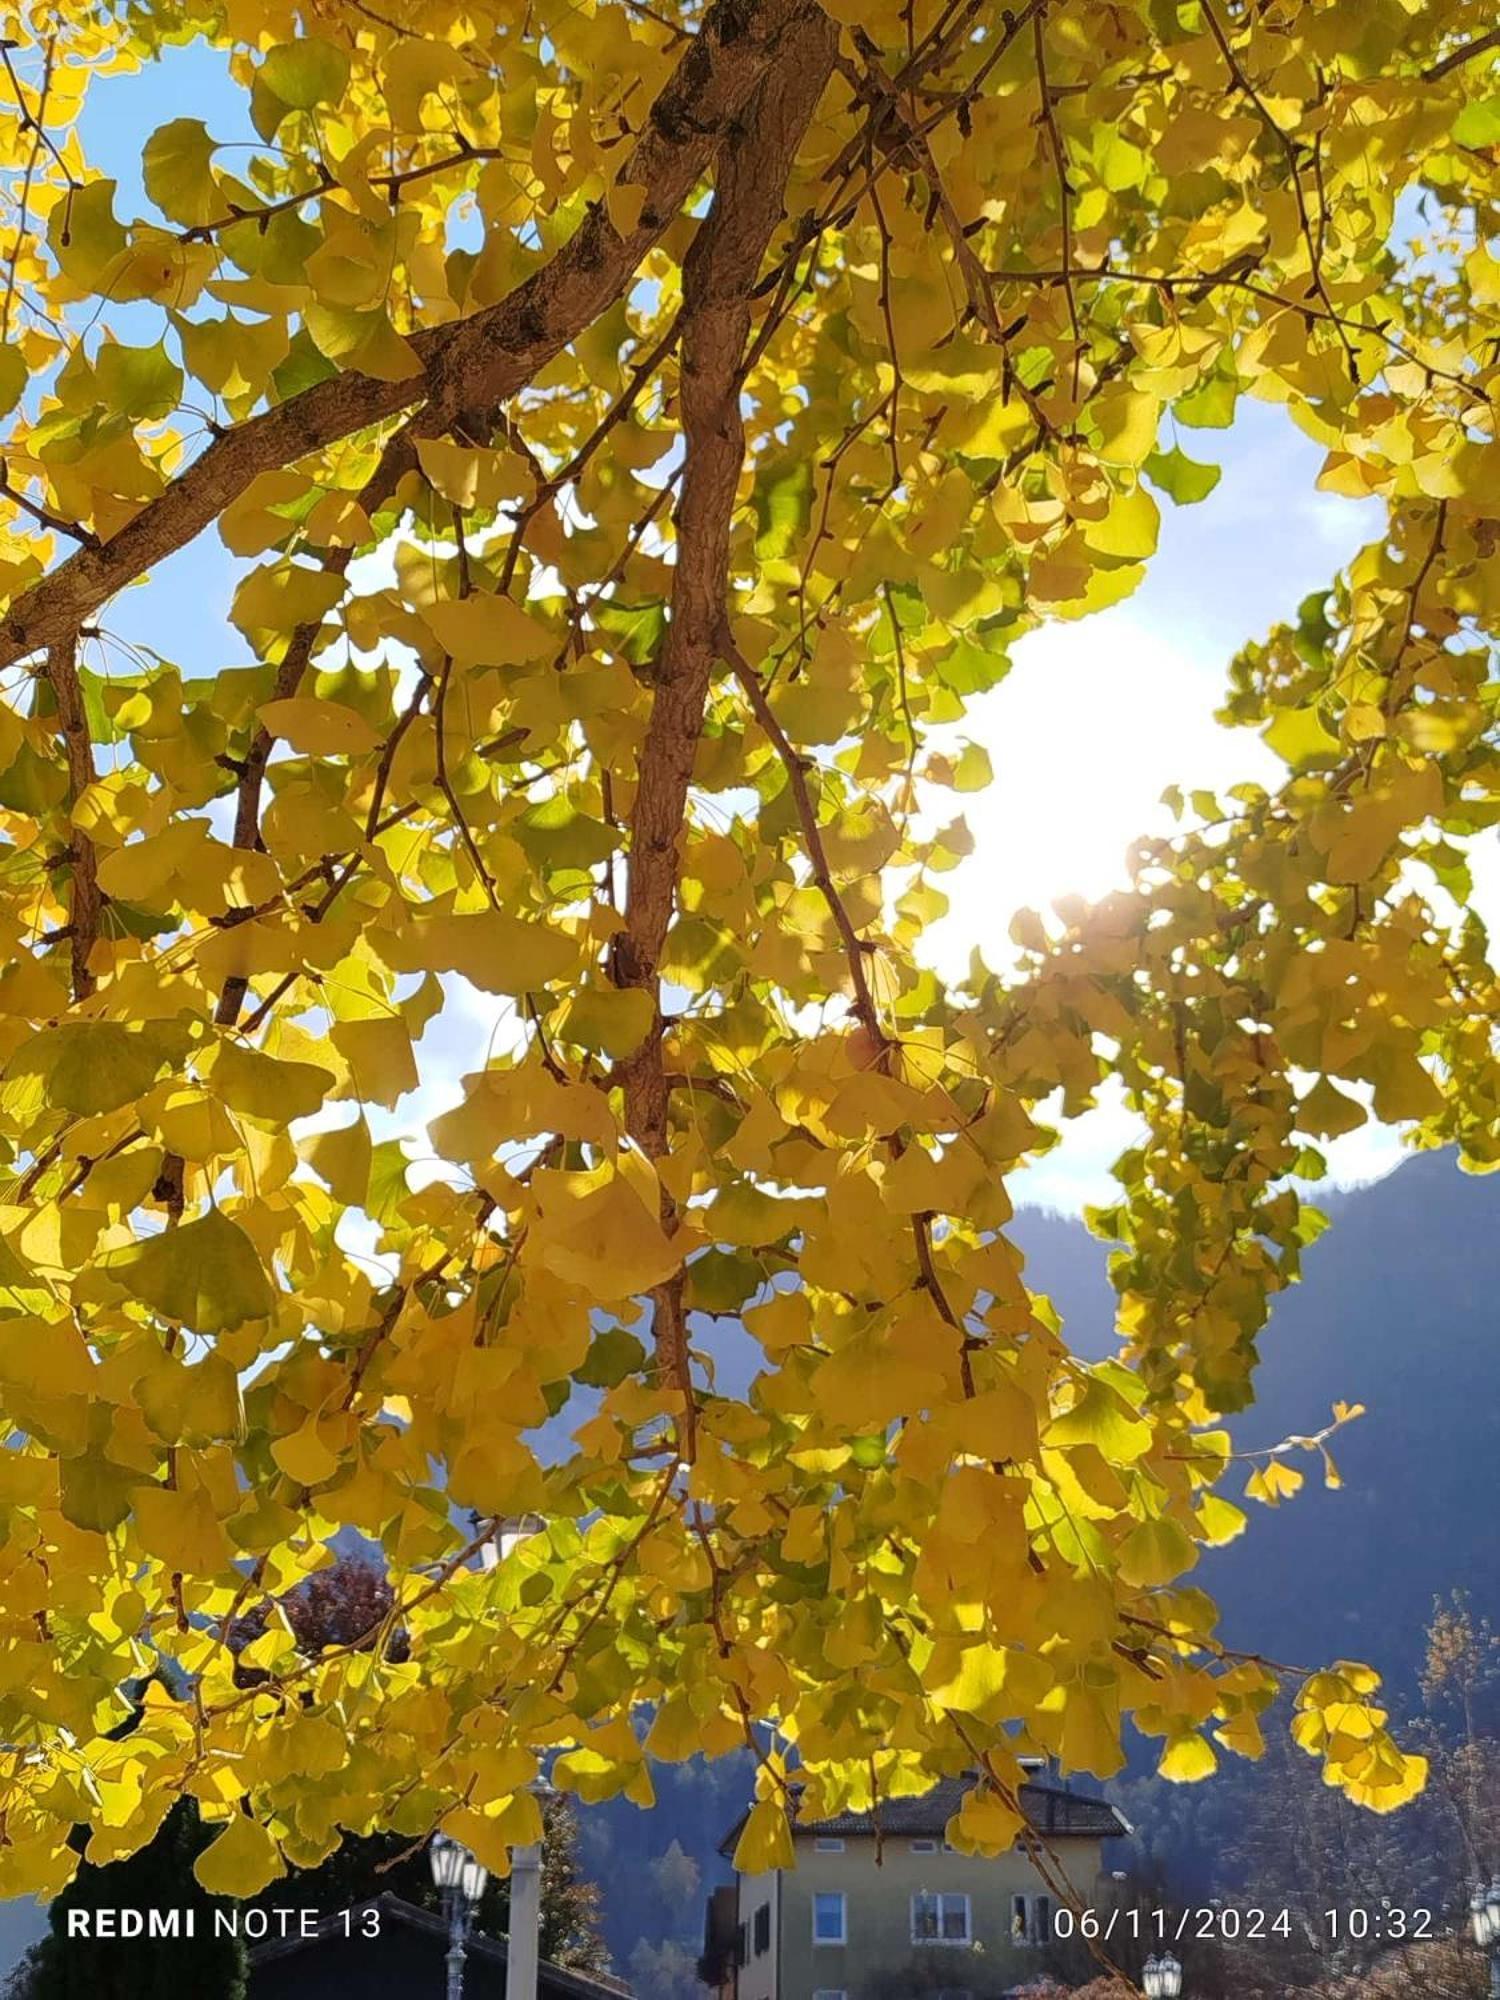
point(1397, 1310)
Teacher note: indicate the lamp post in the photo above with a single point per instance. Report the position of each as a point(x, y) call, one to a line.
point(460, 1877)
point(523, 1937)
point(1161, 1978)
point(1484, 1915)
point(522, 1942)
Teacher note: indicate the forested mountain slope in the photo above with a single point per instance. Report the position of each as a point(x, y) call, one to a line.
point(1397, 1311)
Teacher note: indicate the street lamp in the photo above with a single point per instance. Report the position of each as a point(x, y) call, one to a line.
point(460, 1878)
point(523, 1933)
point(1162, 1978)
point(1484, 1915)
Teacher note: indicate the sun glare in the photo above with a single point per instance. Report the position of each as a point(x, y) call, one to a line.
point(1093, 723)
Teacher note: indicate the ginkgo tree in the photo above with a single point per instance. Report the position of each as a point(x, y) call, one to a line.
point(643, 426)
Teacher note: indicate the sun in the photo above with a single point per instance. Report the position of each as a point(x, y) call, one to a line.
point(1090, 727)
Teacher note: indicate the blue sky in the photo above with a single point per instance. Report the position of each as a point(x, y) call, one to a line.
point(1094, 721)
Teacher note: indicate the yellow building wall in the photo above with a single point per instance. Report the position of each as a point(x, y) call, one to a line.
point(878, 1915)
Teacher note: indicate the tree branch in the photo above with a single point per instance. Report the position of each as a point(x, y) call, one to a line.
point(867, 1013)
point(1465, 52)
point(83, 862)
point(719, 278)
point(479, 360)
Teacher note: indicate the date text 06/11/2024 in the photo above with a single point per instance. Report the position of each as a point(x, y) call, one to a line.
point(125, 1923)
point(1226, 1922)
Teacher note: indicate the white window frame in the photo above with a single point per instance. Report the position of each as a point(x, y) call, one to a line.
point(1031, 1933)
point(828, 1843)
point(820, 1895)
point(941, 1897)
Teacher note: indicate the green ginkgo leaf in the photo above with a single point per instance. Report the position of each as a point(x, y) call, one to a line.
point(206, 1275)
point(783, 500)
point(94, 1492)
point(634, 631)
point(93, 1066)
point(266, 1088)
point(1184, 479)
point(175, 167)
point(305, 73)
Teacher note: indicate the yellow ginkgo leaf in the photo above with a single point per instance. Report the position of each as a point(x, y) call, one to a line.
point(765, 1840)
point(241, 1861)
point(1187, 1759)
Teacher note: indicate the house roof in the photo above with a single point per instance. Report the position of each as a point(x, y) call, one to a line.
point(396, 1910)
point(1052, 1809)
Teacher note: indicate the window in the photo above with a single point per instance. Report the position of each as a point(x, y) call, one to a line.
point(762, 1930)
point(741, 1947)
point(828, 1844)
point(829, 1993)
point(924, 1847)
point(1031, 1919)
point(940, 1919)
point(828, 1919)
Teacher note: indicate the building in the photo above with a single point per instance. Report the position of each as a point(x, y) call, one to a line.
point(387, 1945)
point(823, 1930)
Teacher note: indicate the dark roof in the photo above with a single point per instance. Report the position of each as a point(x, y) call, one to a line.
point(396, 1910)
point(1052, 1809)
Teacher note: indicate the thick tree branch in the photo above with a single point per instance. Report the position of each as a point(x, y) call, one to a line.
point(719, 279)
point(480, 360)
point(83, 862)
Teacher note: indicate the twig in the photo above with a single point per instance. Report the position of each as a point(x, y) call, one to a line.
point(1064, 192)
point(1465, 52)
point(42, 515)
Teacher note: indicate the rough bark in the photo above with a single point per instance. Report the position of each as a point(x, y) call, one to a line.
point(719, 279)
point(83, 861)
point(482, 359)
